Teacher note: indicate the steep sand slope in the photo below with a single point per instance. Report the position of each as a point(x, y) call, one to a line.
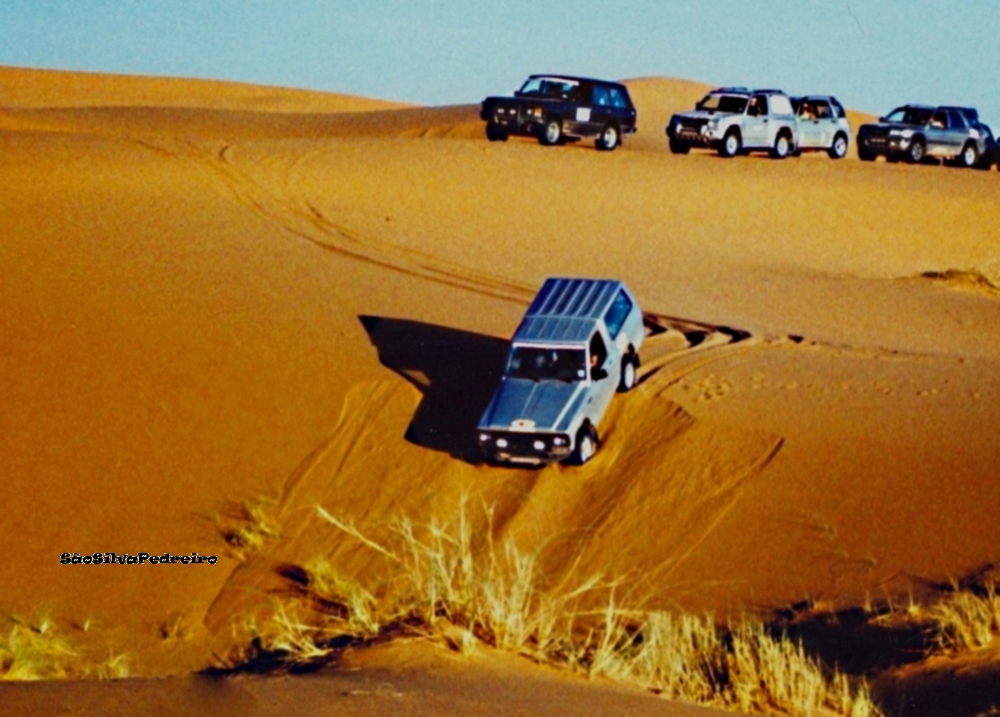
point(192, 321)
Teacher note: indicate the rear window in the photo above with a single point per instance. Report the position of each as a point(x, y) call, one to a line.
point(616, 315)
point(619, 98)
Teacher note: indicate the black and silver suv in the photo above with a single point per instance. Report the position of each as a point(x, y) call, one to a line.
point(916, 132)
point(561, 108)
point(735, 120)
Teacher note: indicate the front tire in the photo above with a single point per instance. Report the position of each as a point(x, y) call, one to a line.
point(679, 147)
point(782, 147)
point(609, 138)
point(494, 133)
point(551, 133)
point(731, 144)
point(838, 150)
point(864, 155)
point(916, 153)
point(586, 445)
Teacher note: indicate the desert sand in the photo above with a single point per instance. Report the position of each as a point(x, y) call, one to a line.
point(217, 295)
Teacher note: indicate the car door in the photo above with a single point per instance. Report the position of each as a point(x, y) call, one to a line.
point(582, 111)
point(605, 369)
point(809, 130)
point(958, 132)
point(755, 123)
point(826, 124)
point(938, 142)
point(602, 111)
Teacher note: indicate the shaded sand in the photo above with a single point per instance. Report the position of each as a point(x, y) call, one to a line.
point(209, 304)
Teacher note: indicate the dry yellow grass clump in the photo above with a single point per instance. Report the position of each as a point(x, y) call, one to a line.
point(35, 651)
point(966, 621)
point(447, 588)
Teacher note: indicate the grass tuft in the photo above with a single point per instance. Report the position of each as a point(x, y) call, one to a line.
point(966, 621)
point(447, 587)
point(33, 651)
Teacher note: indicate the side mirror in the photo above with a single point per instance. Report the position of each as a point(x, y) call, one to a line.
point(882, 119)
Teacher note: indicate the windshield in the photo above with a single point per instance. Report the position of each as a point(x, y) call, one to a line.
point(909, 115)
point(547, 87)
point(723, 103)
point(538, 364)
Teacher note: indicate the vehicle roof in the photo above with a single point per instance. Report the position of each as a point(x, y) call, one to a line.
point(566, 311)
point(799, 98)
point(573, 78)
point(745, 91)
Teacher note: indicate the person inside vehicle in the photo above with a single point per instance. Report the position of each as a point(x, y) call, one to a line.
point(807, 112)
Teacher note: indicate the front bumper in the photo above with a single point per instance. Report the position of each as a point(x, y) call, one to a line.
point(526, 448)
point(694, 132)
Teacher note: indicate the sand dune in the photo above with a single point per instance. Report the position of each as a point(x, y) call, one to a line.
point(217, 294)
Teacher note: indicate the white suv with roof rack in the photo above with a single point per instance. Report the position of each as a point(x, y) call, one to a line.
point(736, 120)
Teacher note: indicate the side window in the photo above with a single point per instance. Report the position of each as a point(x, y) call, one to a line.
point(823, 110)
point(598, 351)
point(955, 120)
point(616, 315)
point(618, 98)
point(838, 110)
point(939, 120)
point(758, 106)
point(602, 98)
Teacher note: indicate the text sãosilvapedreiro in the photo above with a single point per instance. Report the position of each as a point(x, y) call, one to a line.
point(576, 346)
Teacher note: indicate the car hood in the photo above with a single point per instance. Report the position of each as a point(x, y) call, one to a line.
point(703, 114)
point(542, 405)
point(885, 126)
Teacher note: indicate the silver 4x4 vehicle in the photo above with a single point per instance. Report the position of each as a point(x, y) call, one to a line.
point(576, 346)
point(821, 125)
point(734, 120)
point(915, 132)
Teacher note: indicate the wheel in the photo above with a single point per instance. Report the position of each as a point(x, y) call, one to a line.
point(679, 147)
point(586, 445)
point(609, 137)
point(838, 150)
point(494, 133)
point(916, 153)
point(969, 156)
point(864, 155)
point(731, 144)
point(551, 133)
point(628, 377)
point(782, 146)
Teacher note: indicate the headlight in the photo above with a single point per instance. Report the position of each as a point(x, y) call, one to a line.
point(483, 437)
point(904, 133)
point(539, 445)
point(501, 443)
point(559, 441)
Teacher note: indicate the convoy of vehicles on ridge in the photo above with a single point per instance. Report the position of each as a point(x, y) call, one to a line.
point(561, 108)
point(916, 132)
point(556, 109)
point(577, 344)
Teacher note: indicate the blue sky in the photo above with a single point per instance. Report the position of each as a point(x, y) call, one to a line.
point(872, 54)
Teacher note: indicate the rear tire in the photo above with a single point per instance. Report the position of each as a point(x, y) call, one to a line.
point(679, 147)
point(551, 133)
point(864, 155)
point(782, 147)
point(609, 138)
point(970, 155)
point(629, 376)
point(838, 150)
point(731, 144)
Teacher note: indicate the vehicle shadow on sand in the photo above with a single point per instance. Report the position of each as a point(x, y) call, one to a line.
point(456, 371)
